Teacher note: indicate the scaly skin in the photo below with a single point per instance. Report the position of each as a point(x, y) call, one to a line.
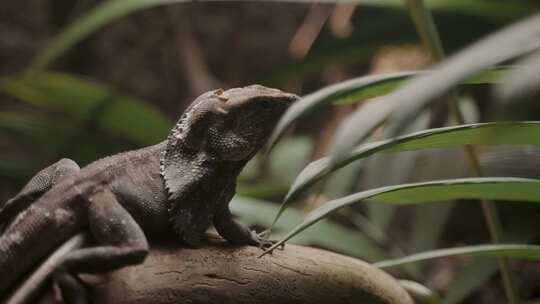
point(182, 184)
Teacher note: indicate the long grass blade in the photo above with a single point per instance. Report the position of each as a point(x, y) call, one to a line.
point(362, 88)
point(495, 188)
point(531, 252)
point(409, 99)
point(496, 133)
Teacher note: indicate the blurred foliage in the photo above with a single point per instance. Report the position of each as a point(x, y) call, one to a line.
point(85, 79)
point(120, 115)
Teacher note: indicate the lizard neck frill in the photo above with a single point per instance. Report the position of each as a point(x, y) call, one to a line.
point(176, 156)
point(190, 197)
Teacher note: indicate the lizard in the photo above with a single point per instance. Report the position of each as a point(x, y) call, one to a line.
point(181, 185)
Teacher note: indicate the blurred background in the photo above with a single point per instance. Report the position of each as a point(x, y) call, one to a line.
point(84, 79)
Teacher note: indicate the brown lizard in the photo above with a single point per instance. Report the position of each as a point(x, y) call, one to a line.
point(183, 184)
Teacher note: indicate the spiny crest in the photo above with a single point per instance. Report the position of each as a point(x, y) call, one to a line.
point(182, 127)
point(162, 169)
point(170, 161)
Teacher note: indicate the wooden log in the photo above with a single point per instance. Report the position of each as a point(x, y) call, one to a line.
point(221, 273)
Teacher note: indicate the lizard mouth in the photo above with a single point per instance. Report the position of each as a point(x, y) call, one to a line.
point(290, 98)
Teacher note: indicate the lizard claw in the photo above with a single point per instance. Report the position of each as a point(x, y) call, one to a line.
point(273, 247)
point(264, 234)
point(261, 240)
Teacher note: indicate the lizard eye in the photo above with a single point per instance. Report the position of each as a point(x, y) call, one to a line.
point(266, 104)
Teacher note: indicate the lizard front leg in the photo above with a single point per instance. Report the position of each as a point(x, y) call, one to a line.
point(237, 233)
point(123, 243)
point(39, 184)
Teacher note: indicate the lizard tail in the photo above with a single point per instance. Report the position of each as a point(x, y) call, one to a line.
point(33, 284)
point(31, 236)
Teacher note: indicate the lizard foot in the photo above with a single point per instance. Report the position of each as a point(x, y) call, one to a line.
point(261, 240)
point(68, 288)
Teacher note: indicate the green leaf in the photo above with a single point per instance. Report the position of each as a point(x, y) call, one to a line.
point(20, 122)
point(122, 115)
point(328, 234)
point(469, 279)
point(350, 91)
point(428, 222)
point(360, 89)
point(409, 99)
point(289, 158)
point(495, 188)
point(508, 43)
point(497, 133)
point(477, 272)
point(390, 169)
point(523, 81)
point(531, 252)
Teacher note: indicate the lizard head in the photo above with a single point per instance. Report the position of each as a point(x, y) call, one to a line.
point(231, 124)
point(252, 112)
point(221, 126)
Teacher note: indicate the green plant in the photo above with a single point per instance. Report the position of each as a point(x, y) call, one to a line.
point(400, 106)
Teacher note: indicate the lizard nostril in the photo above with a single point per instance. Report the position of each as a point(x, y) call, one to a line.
point(219, 94)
